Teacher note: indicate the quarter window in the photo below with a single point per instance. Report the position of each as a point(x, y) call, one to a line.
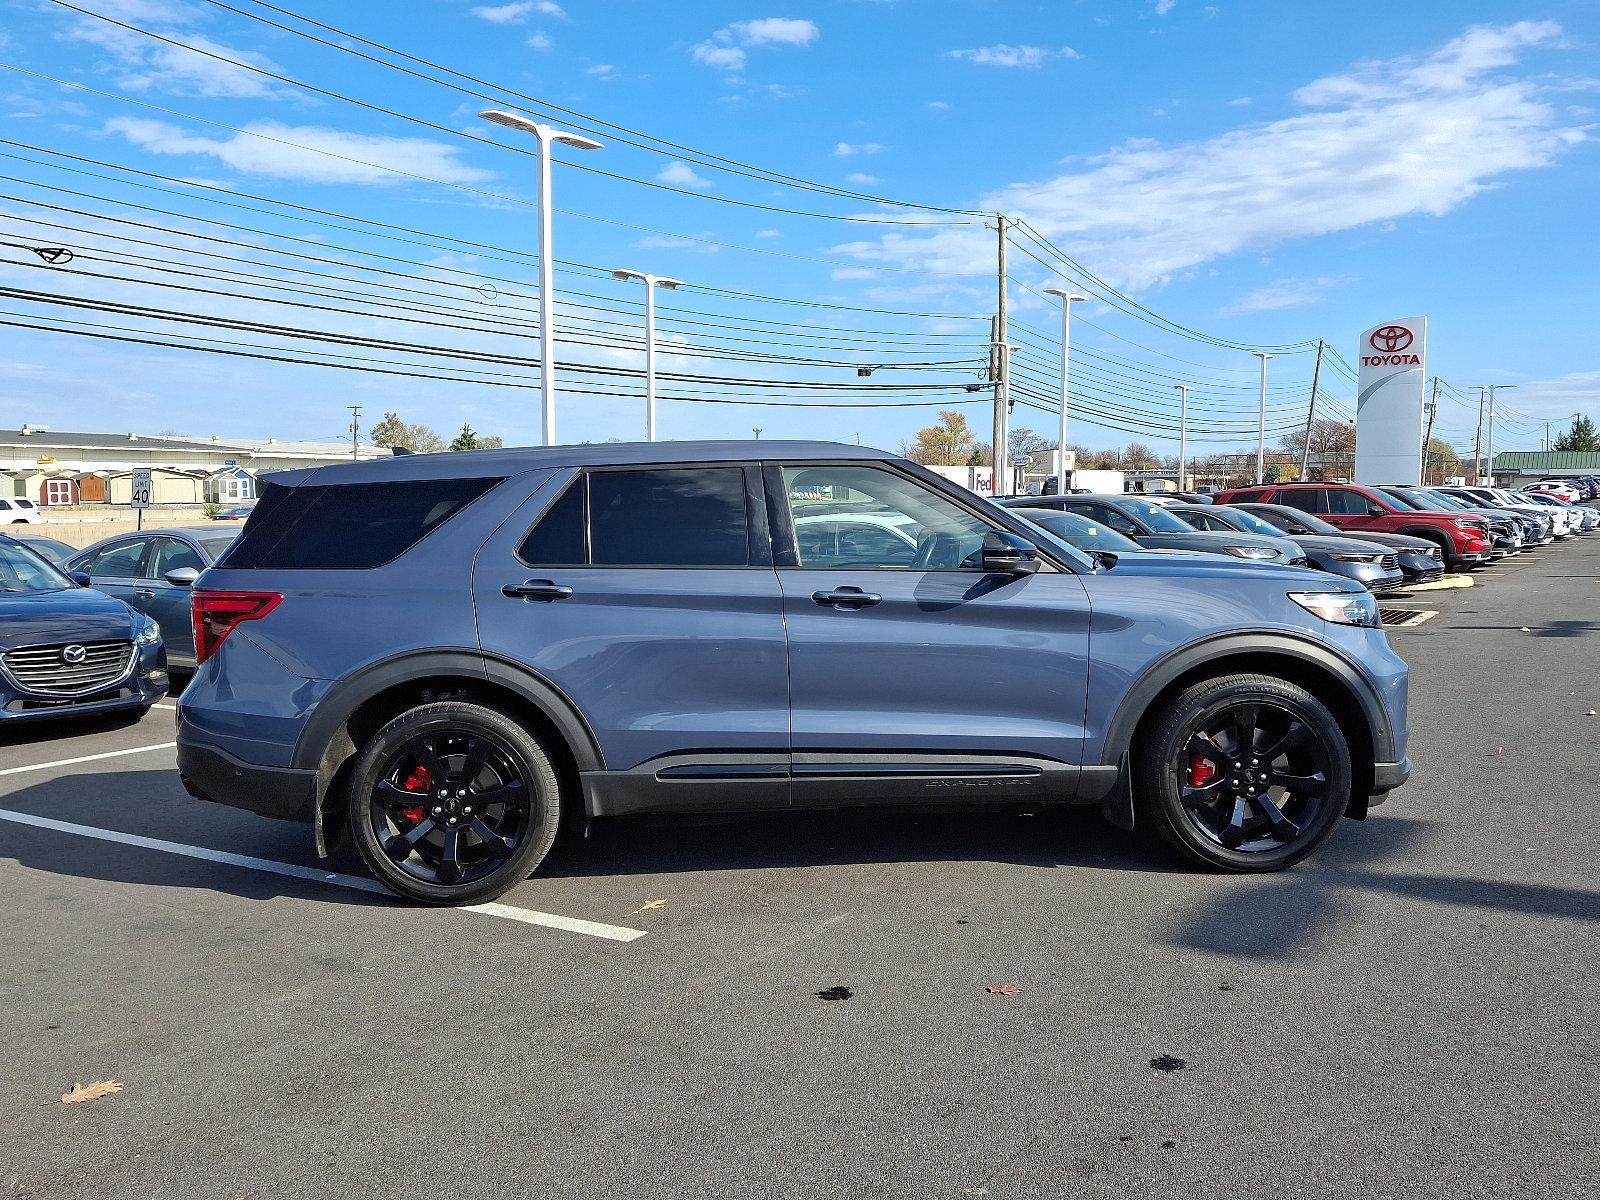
point(871, 519)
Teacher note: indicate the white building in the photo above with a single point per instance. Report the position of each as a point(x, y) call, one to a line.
point(54, 468)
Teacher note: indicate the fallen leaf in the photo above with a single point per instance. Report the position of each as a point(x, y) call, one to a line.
point(647, 906)
point(1006, 989)
point(93, 1091)
point(835, 993)
point(1590, 713)
point(1168, 1063)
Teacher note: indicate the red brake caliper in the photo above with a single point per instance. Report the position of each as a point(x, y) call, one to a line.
point(418, 781)
point(1201, 770)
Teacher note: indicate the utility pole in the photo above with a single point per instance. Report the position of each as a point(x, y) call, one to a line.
point(1261, 436)
point(756, 429)
point(1487, 389)
point(355, 431)
point(1183, 428)
point(1311, 416)
point(1001, 399)
point(1477, 443)
point(1427, 437)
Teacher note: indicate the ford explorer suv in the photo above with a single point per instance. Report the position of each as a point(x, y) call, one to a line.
point(451, 658)
point(1464, 540)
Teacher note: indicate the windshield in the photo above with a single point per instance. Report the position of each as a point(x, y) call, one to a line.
point(1448, 503)
point(214, 546)
point(1157, 517)
point(21, 570)
point(1250, 523)
point(1403, 499)
point(1077, 530)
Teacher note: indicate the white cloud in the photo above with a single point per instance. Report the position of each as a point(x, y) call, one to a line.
point(726, 49)
point(1417, 134)
point(939, 105)
point(862, 180)
point(1240, 102)
point(1285, 293)
point(539, 41)
point(699, 245)
point(144, 64)
point(1002, 55)
point(1557, 399)
point(844, 273)
point(853, 149)
point(602, 71)
point(515, 14)
point(768, 233)
point(317, 155)
point(681, 175)
point(1163, 7)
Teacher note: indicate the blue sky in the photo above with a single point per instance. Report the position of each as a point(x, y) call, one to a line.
point(1263, 173)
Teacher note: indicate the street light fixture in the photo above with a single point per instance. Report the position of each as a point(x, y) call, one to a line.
point(1067, 300)
point(651, 283)
point(544, 135)
point(1261, 436)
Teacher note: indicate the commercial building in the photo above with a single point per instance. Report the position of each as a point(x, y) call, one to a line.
point(1513, 468)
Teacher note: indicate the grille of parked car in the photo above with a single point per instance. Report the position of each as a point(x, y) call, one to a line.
point(1390, 562)
point(69, 668)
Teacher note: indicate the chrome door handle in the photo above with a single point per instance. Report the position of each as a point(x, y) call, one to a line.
point(536, 589)
point(847, 597)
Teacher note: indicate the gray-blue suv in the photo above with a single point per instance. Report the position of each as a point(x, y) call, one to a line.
point(451, 657)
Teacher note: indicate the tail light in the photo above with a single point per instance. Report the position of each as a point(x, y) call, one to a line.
point(217, 613)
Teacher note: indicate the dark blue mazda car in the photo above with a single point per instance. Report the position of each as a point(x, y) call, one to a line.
point(448, 658)
point(66, 650)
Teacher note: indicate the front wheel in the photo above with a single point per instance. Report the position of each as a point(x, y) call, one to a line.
point(453, 803)
point(1244, 772)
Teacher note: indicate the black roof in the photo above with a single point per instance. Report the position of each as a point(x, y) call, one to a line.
point(513, 461)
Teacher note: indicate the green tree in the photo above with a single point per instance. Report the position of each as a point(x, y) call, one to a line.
point(946, 444)
point(1440, 462)
point(1581, 436)
point(392, 431)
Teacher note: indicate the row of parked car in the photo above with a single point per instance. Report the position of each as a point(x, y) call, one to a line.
point(447, 659)
point(1385, 537)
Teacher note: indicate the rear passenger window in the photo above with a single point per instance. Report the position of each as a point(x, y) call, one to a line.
point(691, 517)
point(1346, 502)
point(1305, 499)
point(348, 525)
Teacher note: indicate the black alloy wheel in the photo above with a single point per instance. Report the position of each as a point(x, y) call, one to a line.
point(1244, 772)
point(453, 803)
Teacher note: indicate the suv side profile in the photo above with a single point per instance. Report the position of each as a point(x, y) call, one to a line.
point(1464, 540)
point(449, 658)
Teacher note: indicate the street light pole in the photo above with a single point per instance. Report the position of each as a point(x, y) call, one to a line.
point(651, 283)
point(544, 135)
point(1067, 299)
point(1183, 428)
point(1261, 436)
point(1493, 388)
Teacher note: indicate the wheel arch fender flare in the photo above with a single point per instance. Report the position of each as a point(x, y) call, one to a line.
point(528, 686)
point(1219, 651)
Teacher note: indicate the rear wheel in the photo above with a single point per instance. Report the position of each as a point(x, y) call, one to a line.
point(453, 803)
point(1244, 772)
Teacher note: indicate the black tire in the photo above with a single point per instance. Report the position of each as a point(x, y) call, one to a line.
point(453, 803)
point(1235, 829)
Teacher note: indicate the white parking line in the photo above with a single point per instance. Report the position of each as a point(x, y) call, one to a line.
point(72, 762)
point(527, 916)
point(171, 706)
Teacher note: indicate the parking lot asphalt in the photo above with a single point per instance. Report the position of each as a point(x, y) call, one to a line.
point(1414, 1011)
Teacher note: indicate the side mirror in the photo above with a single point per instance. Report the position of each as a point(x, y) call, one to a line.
point(1377, 510)
point(181, 576)
point(82, 579)
point(1008, 554)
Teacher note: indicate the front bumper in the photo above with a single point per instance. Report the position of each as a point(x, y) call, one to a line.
point(209, 773)
point(144, 684)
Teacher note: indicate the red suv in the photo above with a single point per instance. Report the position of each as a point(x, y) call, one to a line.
point(1465, 540)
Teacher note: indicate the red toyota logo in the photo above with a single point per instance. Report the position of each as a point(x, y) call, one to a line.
point(1390, 339)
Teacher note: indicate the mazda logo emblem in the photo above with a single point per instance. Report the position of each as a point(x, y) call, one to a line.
point(74, 654)
point(1390, 339)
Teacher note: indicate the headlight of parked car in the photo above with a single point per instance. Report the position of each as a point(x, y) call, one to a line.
point(1342, 608)
point(147, 634)
point(1251, 551)
point(1365, 558)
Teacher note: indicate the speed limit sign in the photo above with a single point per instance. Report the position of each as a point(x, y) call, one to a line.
point(141, 487)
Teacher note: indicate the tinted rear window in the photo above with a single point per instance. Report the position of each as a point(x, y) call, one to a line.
point(349, 525)
point(668, 517)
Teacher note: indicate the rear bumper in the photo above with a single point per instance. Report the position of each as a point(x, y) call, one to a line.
point(1386, 777)
point(282, 793)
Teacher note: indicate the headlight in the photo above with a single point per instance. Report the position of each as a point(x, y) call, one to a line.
point(1251, 551)
point(147, 634)
point(1342, 608)
point(1364, 558)
point(1468, 523)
